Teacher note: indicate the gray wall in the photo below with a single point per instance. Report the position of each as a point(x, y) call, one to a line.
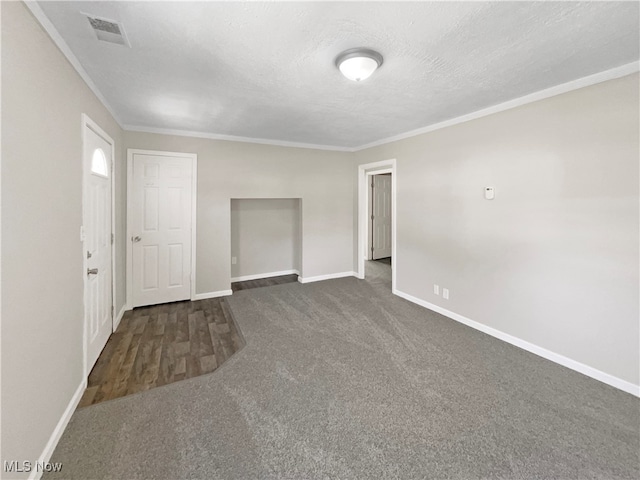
point(265, 235)
point(42, 283)
point(323, 180)
point(553, 259)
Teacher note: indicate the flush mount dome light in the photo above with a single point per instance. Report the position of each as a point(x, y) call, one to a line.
point(358, 63)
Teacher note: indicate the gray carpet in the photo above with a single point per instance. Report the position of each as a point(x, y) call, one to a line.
point(340, 379)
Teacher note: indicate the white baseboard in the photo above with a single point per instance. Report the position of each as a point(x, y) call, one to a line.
point(530, 347)
point(204, 296)
point(57, 432)
point(118, 319)
point(330, 276)
point(258, 276)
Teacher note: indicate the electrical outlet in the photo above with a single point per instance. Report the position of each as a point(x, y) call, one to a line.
point(445, 293)
point(436, 289)
point(234, 260)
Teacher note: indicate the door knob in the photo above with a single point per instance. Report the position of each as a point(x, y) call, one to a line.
point(136, 239)
point(92, 271)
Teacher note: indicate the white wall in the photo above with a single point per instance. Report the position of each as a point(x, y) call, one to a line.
point(323, 180)
point(553, 260)
point(265, 236)
point(42, 256)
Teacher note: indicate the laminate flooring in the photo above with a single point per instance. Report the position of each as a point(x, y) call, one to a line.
point(162, 344)
point(386, 260)
point(264, 282)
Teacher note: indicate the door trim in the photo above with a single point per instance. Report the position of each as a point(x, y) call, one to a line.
point(194, 195)
point(88, 123)
point(365, 171)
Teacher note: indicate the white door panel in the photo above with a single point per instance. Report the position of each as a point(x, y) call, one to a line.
point(381, 216)
point(97, 243)
point(160, 210)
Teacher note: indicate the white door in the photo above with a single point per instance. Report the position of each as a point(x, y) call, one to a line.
point(97, 244)
point(160, 228)
point(381, 222)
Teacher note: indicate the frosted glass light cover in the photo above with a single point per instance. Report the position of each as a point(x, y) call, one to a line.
point(358, 68)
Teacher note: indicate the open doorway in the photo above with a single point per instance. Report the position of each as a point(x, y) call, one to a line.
point(380, 217)
point(378, 266)
point(376, 223)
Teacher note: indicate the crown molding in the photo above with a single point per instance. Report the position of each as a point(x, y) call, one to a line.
point(233, 138)
point(37, 12)
point(599, 77)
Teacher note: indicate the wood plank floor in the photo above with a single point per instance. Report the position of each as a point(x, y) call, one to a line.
point(264, 282)
point(162, 344)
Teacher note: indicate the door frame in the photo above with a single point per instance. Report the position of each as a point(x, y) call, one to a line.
point(194, 195)
point(365, 171)
point(87, 123)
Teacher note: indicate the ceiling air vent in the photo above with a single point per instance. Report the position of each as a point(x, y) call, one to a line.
point(108, 30)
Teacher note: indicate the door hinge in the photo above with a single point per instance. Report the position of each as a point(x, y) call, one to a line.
point(112, 311)
point(371, 249)
point(371, 217)
point(112, 237)
point(372, 184)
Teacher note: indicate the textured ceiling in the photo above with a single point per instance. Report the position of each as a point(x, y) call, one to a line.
point(266, 70)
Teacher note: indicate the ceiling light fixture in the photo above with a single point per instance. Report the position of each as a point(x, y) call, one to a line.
point(358, 63)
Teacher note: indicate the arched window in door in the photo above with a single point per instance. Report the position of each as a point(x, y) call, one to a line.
point(99, 163)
